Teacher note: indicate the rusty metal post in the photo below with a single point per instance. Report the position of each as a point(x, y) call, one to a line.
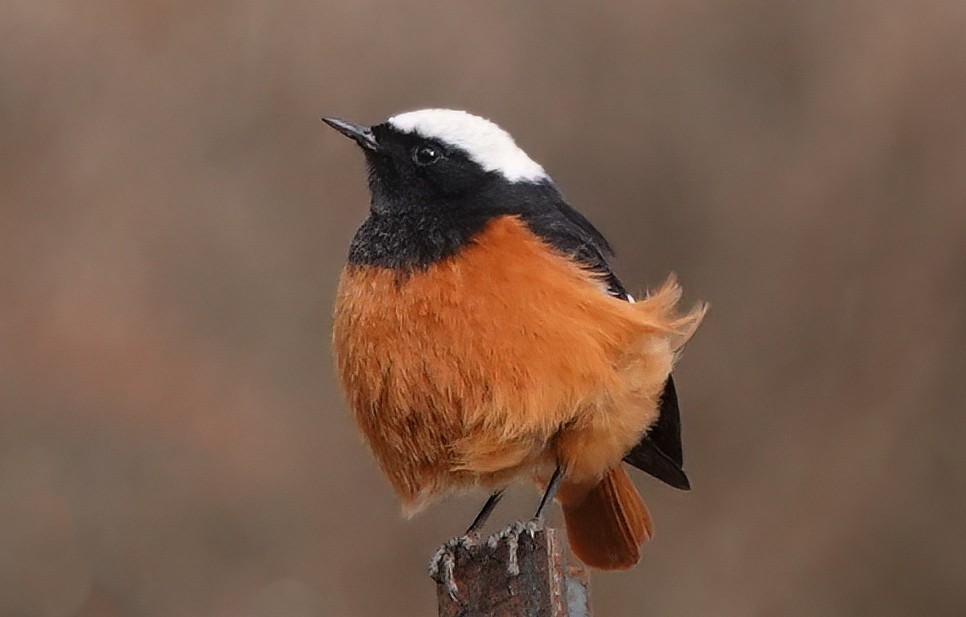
point(525, 570)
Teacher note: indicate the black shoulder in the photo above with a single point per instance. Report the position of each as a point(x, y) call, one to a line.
point(561, 226)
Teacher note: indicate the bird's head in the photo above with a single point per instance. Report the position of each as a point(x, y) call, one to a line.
point(439, 158)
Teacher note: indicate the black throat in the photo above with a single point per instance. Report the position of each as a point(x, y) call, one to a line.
point(412, 239)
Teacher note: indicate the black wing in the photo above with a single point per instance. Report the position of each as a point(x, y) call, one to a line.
point(659, 451)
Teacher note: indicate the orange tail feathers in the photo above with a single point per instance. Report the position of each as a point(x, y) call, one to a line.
point(607, 524)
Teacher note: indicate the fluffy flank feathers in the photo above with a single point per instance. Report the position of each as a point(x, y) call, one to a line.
point(660, 308)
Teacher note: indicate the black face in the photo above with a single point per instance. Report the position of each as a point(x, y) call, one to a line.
point(409, 173)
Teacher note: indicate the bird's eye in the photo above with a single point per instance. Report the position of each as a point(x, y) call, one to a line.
point(426, 155)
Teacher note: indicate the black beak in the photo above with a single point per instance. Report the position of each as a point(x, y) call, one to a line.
point(362, 135)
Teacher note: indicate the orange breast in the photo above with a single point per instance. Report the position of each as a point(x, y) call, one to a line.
point(503, 357)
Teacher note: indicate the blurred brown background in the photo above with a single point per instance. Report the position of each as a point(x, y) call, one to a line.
point(174, 218)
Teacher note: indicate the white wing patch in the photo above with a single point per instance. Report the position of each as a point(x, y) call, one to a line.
point(483, 141)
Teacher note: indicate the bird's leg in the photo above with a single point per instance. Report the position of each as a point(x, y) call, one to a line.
point(484, 514)
point(551, 491)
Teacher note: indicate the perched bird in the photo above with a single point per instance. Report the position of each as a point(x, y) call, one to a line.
point(481, 337)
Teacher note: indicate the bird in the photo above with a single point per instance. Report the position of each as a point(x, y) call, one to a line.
point(482, 338)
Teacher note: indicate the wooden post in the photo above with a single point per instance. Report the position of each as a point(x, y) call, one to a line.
point(525, 570)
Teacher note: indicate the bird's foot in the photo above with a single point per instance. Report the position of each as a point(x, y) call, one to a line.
point(444, 561)
point(511, 535)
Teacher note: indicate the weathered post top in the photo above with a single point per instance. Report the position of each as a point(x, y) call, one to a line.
point(523, 571)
